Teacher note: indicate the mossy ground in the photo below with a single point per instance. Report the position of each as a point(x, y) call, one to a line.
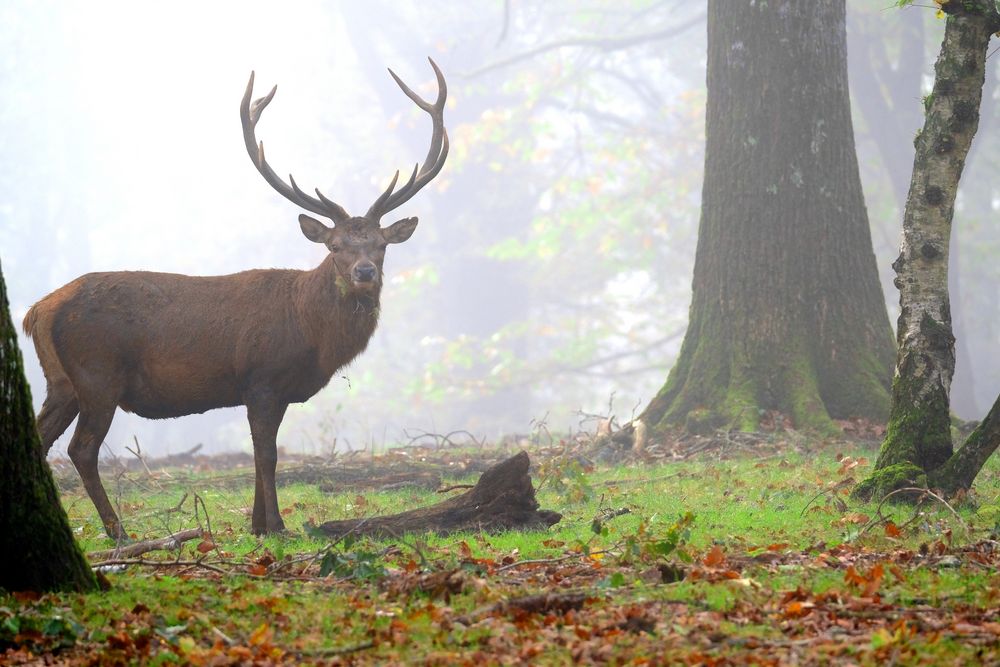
point(776, 559)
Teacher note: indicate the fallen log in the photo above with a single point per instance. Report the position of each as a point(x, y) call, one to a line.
point(134, 549)
point(502, 499)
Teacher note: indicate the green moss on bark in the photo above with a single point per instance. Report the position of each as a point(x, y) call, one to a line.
point(803, 399)
point(919, 428)
point(884, 481)
point(35, 538)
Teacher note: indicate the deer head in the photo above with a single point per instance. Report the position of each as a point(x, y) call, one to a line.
point(356, 243)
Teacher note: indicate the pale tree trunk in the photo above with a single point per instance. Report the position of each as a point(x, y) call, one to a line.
point(918, 446)
point(787, 313)
point(35, 538)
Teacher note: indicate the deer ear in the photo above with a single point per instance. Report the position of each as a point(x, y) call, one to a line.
point(399, 231)
point(314, 230)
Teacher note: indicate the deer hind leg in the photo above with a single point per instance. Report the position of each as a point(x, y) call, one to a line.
point(95, 420)
point(265, 417)
point(58, 411)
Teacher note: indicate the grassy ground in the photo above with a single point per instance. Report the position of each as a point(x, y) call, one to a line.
point(717, 562)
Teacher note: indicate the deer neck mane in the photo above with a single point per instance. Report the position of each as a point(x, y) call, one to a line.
point(331, 315)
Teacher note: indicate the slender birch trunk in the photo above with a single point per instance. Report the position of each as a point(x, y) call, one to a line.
point(918, 446)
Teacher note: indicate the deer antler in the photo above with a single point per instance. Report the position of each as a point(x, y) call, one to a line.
point(436, 155)
point(249, 115)
point(388, 200)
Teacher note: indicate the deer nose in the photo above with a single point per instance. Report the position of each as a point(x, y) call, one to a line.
point(365, 273)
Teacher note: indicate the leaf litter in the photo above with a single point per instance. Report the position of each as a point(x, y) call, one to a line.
point(629, 588)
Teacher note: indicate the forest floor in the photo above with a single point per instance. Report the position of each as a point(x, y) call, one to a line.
point(724, 550)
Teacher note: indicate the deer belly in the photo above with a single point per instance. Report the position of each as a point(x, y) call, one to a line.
point(176, 390)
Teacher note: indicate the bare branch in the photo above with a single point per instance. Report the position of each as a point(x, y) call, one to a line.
point(601, 43)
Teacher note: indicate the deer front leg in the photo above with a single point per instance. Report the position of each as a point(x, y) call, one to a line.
point(265, 414)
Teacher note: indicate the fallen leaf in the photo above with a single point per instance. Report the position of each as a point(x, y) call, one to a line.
point(714, 557)
point(262, 635)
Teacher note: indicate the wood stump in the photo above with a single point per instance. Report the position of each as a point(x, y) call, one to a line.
point(502, 499)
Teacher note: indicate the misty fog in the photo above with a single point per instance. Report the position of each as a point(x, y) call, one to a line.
point(549, 278)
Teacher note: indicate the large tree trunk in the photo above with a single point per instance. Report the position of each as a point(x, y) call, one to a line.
point(787, 312)
point(918, 446)
point(35, 538)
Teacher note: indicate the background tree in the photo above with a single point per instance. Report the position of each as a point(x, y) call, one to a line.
point(35, 537)
point(787, 312)
point(918, 449)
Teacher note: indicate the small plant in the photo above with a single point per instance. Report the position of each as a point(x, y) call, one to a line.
point(568, 479)
point(348, 564)
point(43, 627)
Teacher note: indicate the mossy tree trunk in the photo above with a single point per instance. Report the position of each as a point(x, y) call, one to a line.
point(918, 448)
point(787, 312)
point(35, 538)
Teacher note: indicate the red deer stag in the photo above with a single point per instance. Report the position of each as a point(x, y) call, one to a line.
point(166, 345)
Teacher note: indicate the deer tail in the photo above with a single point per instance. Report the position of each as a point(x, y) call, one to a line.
point(30, 320)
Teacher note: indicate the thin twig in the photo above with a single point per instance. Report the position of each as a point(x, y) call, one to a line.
point(343, 650)
point(927, 492)
point(155, 563)
point(602, 43)
point(454, 487)
point(827, 491)
point(550, 561)
point(226, 639)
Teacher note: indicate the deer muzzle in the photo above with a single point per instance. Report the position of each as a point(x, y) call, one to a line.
point(364, 273)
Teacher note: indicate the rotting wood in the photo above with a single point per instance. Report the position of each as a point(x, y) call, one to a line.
point(502, 499)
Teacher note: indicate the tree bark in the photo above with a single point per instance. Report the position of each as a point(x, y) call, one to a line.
point(502, 499)
point(787, 312)
point(35, 538)
point(918, 446)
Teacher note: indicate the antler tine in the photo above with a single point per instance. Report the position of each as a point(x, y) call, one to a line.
point(385, 193)
point(249, 116)
point(436, 154)
point(332, 206)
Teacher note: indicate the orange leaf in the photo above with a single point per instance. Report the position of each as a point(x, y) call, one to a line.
point(777, 546)
point(892, 530)
point(714, 557)
point(205, 546)
point(874, 579)
point(258, 570)
point(852, 576)
point(798, 609)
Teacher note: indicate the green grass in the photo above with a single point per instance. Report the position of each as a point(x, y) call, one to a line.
point(783, 541)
